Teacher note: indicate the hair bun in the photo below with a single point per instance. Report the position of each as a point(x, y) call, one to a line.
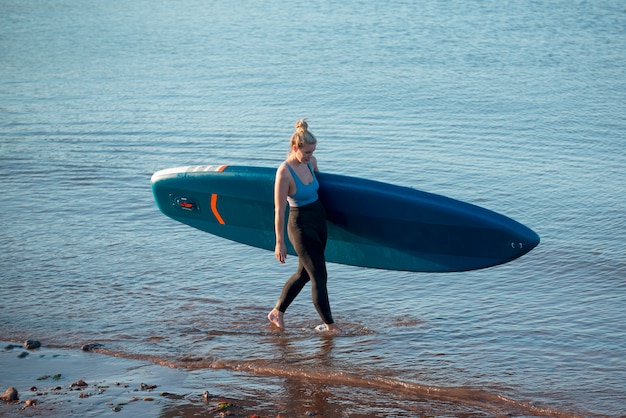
point(302, 126)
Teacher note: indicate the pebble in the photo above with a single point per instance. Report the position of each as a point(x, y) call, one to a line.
point(91, 346)
point(31, 344)
point(79, 384)
point(10, 395)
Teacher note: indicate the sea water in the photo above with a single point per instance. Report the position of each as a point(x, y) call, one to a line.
point(516, 106)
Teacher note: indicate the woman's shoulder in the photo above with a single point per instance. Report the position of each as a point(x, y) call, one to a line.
point(283, 171)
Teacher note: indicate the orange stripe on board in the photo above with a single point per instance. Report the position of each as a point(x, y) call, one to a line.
point(222, 168)
point(214, 209)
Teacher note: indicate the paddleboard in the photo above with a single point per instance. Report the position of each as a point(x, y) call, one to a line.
point(370, 223)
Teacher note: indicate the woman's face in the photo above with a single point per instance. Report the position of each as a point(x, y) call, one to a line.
point(304, 154)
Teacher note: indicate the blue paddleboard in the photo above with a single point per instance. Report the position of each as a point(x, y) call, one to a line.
point(370, 223)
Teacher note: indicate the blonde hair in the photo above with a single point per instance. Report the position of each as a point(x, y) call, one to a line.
point(302, 136)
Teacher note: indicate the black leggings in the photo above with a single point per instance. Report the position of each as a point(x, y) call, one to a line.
point(307, 232)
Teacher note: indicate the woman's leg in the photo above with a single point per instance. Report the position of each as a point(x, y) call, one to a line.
point(290, 291)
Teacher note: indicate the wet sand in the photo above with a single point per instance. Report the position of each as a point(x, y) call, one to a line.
point(62, 382)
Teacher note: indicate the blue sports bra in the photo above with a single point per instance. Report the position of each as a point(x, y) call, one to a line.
point(305, 193)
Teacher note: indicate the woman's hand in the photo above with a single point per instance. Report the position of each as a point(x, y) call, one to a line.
point(280, 252)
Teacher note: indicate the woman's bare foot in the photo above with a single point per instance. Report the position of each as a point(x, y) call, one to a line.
point(333, 328)
point(276, 317)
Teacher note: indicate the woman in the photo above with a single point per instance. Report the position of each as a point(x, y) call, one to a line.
point(297, 185)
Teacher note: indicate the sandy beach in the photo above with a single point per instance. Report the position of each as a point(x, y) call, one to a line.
point(64, 382)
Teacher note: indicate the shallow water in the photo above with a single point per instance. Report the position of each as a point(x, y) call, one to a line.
point(518, 107)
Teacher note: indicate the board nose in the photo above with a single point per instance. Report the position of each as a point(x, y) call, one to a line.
point(525, 239)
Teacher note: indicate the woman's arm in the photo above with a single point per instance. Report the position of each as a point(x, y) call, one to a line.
point(281, 190)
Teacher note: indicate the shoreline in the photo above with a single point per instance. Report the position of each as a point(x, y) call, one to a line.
point(75, 382)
